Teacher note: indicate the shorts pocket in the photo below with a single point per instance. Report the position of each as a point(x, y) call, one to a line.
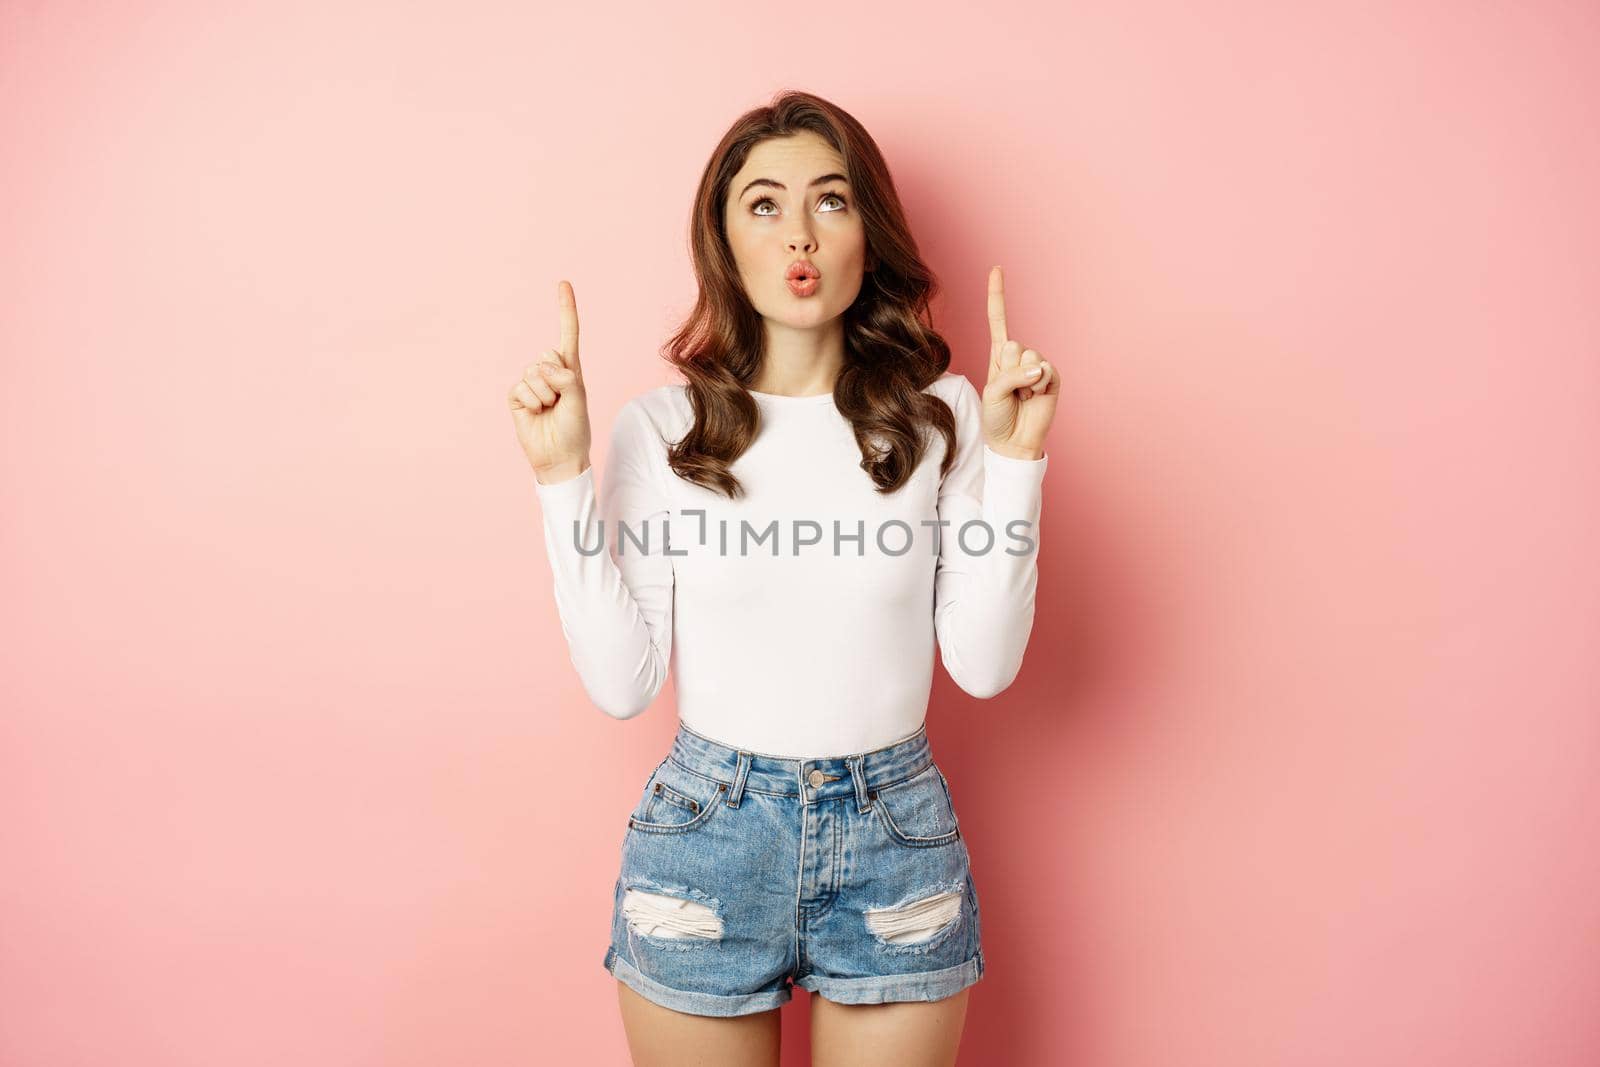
point(664, 794)
point(676, 800)
point(918, 812)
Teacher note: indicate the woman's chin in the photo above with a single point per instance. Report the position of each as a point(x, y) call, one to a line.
point(803, 314)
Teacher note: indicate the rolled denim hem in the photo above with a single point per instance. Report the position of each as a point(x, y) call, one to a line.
point(893, 988)
point(692, 1003)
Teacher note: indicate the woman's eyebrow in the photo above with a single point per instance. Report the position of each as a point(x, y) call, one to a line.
point(780, 185)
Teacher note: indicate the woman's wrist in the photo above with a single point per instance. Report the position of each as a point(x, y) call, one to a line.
point(1013, 452)
point(561, 472)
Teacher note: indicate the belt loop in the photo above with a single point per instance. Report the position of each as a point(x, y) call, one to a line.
point(858, 771)
point(736, 793)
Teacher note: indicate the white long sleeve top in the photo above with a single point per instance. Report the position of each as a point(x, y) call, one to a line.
point(799, 620)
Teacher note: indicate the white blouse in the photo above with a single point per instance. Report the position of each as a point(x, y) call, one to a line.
point(799, 619)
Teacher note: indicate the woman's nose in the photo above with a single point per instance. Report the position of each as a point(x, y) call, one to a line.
point(802, 242)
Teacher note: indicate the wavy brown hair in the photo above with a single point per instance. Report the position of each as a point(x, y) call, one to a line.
point(892, 352)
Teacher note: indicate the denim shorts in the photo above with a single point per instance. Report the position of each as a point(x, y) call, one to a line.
point(745, 874)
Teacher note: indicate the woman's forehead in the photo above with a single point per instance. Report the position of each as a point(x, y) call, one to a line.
point(798, 156)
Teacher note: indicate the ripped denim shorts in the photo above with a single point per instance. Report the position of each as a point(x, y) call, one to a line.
point(745, 874)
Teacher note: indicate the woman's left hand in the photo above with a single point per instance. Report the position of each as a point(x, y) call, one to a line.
point(1017, 407)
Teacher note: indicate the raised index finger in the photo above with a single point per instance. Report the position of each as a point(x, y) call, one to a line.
point(569, 324)
point(997, 310)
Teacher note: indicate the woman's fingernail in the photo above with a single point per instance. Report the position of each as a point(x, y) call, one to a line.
point(1032, 372)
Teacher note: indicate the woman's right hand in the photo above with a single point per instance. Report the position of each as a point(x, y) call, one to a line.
point(550, 407)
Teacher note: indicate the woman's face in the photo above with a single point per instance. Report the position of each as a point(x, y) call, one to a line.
point(778, 212)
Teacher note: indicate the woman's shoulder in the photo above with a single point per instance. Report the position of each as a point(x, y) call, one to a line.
point(948, 385)
point(957, 391)
point(661, 398)
point(665, 409)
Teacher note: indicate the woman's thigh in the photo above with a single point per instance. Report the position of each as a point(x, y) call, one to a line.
point(926, 1033)
point(661, 1037)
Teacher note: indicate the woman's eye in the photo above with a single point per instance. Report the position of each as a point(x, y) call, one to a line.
point(768, 200)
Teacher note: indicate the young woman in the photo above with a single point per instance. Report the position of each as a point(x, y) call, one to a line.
point(792, 528)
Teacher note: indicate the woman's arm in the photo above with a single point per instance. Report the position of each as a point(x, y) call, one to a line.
point(983, 602)
point(615, 603)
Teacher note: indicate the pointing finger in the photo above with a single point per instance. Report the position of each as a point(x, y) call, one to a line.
point(569, 324)
point(997, 311)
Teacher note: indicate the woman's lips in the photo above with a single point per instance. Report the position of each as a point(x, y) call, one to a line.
point(803, 277)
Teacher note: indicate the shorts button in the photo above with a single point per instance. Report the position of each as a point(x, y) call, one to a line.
point(817, 778)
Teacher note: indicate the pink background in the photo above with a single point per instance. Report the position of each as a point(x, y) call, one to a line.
point(1303, 767)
